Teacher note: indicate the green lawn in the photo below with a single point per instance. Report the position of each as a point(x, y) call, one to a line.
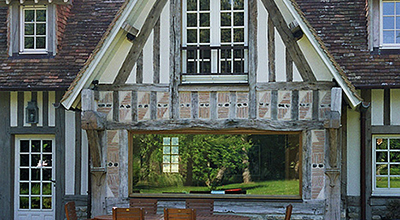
point(276, 187)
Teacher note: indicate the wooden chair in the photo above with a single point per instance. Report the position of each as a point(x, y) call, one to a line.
point(202, 206)
point(148, 205)
point(288, 212)
point(70, 211)
point(179, 214)
point(127, 213)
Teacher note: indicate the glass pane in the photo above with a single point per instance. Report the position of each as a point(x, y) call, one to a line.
point(226, 67)
point(35, 189)
point(35, 174)
point(398, 22)
point(40, 29)
point(381, 157)
point(239, 19)
point(226, 4)
point(174, 168)
point(190, 55)
point(381, 143)
point(397, 37)
point(24, 174)
point(29, 29)
point(394, 143)
point(388, 37)
point(397, 8)
point(388, 8)
point(166, 141)
point(191, 5)
point(238, 4)
point(41, 15)
point(239, 35)
point(175, 150)
point(40, 43)
point(174, 159)
point(47, 161)
point(226, 36)
point(166, 150)
point(24, 146)
point(35, 202)
point(192, 20)
point(204, 5)
point(47, 146)
point(191, 67)
point(46, 174)
point(192, 36)
point(381, 182)
point(238, 67)
point(29, 43)
point(204, 20)
point(166, 168)
point(381, 169)
point(46, 203)
point(226, 19)
point(35, 160)
point(29, 15)
point(24, 160)
point(205, 36)
point(47, 188)
point(166, 159)
point(24, 188)
point(394, 182)
point(394, 169)
point(23, 202)
point(175, 141)
point(35, 146)
point(394, 156)
point(205, 67)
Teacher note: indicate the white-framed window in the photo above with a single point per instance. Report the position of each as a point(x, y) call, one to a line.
point(170, 154)
point(34, 29)
point(215, 41)
point(390, 23)
point(386, 165)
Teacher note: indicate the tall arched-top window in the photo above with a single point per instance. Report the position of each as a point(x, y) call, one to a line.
point(214, 44)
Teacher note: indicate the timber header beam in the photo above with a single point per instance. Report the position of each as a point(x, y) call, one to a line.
point(139, 42)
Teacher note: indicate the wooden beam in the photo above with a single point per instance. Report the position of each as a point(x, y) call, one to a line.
point(271, 50)
point(139, 42)
point(289, 40)
point(295, 86)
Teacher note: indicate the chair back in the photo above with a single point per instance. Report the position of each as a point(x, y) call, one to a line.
point(202, 206)
point(179, 214)
point(128, 213)
point(148, 205)
point(288, 212)
point(70, 211)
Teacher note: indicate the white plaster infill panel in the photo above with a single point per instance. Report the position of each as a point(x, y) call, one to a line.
point(394, 106)
point(377, 103)
point(353, 153)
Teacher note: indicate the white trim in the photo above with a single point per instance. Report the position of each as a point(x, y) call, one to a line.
point(22, 30)
point(192, 79)
point(381, 44)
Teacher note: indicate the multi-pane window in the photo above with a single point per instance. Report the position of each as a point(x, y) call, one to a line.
point(390, 22)
point(215, 38)
point(170, 154)
point(34, 29)
point(386, 170)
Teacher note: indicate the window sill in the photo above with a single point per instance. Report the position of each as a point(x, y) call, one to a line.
point(385, 50)
point(45, 55)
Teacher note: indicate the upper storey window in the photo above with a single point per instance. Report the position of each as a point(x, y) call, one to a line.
point(214, 47)
point(33, 29)
point(390, 23)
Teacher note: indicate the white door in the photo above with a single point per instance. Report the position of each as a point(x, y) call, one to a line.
point(34, 178)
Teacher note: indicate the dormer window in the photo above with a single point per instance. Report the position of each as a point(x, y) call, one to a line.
point(34, 29)
point(390, 23)
point(215, 48)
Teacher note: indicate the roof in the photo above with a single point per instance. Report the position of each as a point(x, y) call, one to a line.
point(343, 27)
point(87, 22)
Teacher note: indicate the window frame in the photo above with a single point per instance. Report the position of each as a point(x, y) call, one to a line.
point(383, 191)
point(381, 43)
point(22, 49)
point(215, 42)
point(214, 196)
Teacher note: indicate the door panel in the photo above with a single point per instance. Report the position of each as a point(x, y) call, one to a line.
point(34, 177)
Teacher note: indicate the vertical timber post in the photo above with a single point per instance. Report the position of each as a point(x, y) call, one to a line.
point(333, 182)
point(93, 123)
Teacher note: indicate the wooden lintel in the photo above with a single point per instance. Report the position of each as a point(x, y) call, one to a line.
point(139, 42)
point(289, 40)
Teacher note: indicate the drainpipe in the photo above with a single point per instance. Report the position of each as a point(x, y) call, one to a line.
point(363, 111)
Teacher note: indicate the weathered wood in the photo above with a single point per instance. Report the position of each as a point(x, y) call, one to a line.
point(139, 42)
point(153, 105)
point(31, 130)
point(134, 106)
point(87, 100)
point(295, 105)
point(123, 166)
point(20, 109)
point(253, 60)
point(92, 120)
point(216, 88)
point(139, 69)
point(130, 29)
point(213, 105)
point(115, 106)
point(332, 193)
point(94, 143)
point(175, 56)
point(306, 164)
point(156, 53)
point(135, 87)
point(195, 105)
point(271, 50)
point(386, 107)
point(274, 104)
point(289, 40)
point(366, 94)
point(59, 156)
point(295, 86)
point(289, 66)
point(213, 125)
point(336, 100)
point(232, 106)
point(98, 192)
point(45, 109)
point(315, 105)
point(383, 129)
point(7, 179)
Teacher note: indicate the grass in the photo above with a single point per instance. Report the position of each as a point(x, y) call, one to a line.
point(273, 187)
